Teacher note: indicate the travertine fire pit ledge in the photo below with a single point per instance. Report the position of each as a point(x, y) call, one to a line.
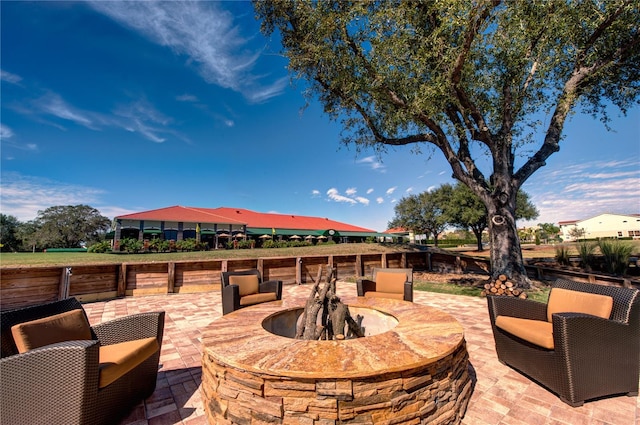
point(422, 336)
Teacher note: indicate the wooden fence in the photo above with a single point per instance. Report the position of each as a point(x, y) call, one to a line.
point(23, 286)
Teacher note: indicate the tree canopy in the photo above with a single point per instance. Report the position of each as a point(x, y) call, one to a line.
point(423, 213)
point(488, 84)
point(68, 226)
point(431, 212)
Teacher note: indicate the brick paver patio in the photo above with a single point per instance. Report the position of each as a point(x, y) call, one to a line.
point(501, 396)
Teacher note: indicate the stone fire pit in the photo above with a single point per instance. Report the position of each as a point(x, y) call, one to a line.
point(413, 368)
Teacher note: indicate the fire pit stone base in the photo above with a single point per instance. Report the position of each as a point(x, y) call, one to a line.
point(415, 373)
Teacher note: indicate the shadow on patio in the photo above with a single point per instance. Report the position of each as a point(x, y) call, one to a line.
point(501, 395)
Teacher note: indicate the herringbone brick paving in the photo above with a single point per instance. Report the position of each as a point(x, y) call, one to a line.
point(501, 396)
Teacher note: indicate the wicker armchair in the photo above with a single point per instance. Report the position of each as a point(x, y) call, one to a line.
point(387, 283)
point(586, 356)
point(62, 383)
point(244, 288)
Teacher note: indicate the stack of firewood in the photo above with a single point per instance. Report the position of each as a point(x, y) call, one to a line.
point(502, 286)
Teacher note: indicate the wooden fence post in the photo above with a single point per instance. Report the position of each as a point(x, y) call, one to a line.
point(171, 277)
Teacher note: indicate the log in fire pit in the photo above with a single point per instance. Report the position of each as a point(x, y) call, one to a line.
point(411, 366)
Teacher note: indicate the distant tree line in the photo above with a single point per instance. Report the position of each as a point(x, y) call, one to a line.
point(64, 226)
point(451, 206)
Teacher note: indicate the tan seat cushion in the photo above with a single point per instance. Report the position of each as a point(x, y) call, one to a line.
point(537, 332)
point(377, 294)
point(118, 359)
point(248, 284)
point(567, 301)
point(258, 298)
point(390, 282)
point(68, 326)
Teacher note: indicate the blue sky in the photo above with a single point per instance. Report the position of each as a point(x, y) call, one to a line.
point(129, 106)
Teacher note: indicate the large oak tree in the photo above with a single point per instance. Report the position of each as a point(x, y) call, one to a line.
point(475, 80)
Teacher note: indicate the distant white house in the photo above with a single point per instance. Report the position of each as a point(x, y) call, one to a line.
point(603, 226)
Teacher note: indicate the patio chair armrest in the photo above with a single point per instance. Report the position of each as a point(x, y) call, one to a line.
point(230, 298)
point(365, 285)
point(49, 383)
point(408, 291)
point(515, 307)
point(132, 327)
point(585, 333)
point(272, 286)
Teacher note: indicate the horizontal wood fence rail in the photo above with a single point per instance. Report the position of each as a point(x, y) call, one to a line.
point(23, 286)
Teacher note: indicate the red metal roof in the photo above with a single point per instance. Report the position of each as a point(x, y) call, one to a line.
point(226, 215)
point(396, 230)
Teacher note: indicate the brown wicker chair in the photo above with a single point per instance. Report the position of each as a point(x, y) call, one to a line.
point(373, 288)
point(60, 383)
point(591, 357)
point(234, 297)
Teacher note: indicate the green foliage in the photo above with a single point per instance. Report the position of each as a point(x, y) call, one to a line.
point(8, 233)
point(616, 255)
point(100, 247)
point(548, 231)
point(468, 79)
point(562, 255)
point(158, 245)
point(423, 213)
point(69, 226)
point(585, 252)
point(190, 244)
point(131, 245)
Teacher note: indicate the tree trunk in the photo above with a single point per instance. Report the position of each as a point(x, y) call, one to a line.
point(506, 254)
point(478, 234)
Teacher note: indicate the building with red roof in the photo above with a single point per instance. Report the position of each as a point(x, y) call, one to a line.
point(217, 225)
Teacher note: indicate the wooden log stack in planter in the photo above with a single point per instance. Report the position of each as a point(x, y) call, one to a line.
point(502, 286)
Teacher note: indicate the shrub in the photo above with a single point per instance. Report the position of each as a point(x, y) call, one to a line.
point(100, 247)
point(616, 255)
point(562, 255)
point(585, 251)
point(130, 245)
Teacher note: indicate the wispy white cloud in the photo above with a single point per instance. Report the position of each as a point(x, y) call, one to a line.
point(409, 190)
point(187, 98)
point(138, 116)
point(578, 191)
point(373, 163)
point(7, 137)
point(334, 195)
point(380, 200)
point(349, 197)
point(205, 33)
point(23, 196)
point(9, 77)
point(369, 191)
point(141, 117)
point(5, 132)
point(391, 190)
point(315, 193)
point(53, 104)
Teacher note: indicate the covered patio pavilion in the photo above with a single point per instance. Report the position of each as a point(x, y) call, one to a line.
point(501, 395)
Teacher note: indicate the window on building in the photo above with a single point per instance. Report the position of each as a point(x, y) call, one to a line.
point(619, 234)
point(170, 235)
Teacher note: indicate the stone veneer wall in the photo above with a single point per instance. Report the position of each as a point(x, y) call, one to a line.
point(435, 394)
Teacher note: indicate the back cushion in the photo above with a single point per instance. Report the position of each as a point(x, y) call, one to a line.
point(248, 284)
point(390, 282)
point(568, 301)
point(68, 326)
